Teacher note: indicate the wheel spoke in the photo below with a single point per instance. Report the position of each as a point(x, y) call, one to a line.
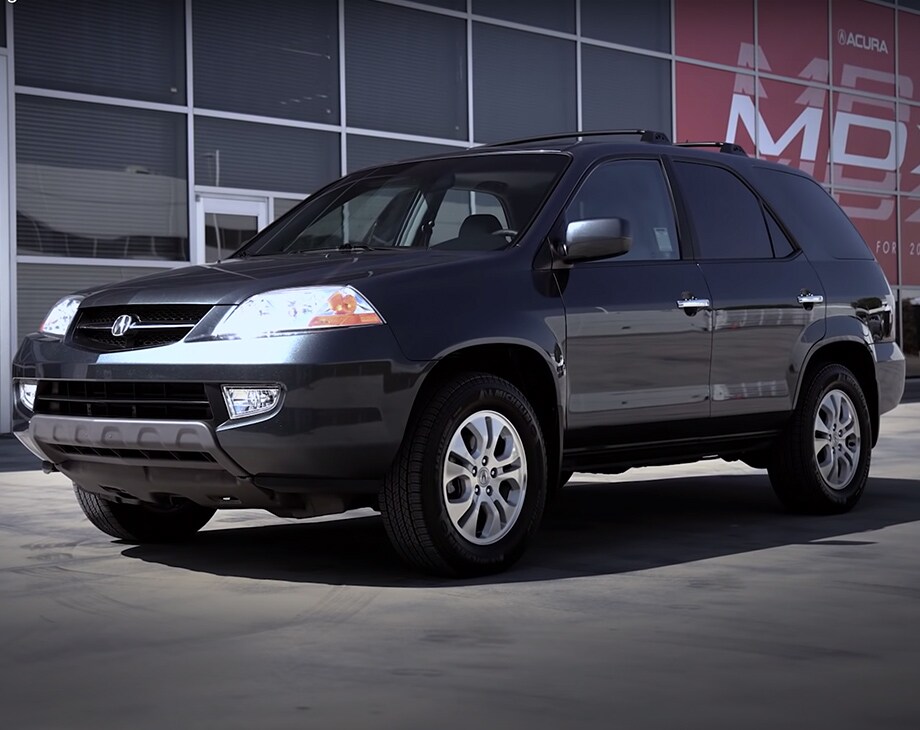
point(514, 476)
point(453, 470)
point(822, 430)
point(506, 507)
point(846, 466)
point(480, 430)
point(493, 523)
point(459, 450)
point(465, 513)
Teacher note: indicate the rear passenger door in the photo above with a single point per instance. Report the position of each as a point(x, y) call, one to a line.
point(637, 355)
point(767, 300)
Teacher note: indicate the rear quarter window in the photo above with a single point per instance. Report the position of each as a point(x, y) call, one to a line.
point(811, 215)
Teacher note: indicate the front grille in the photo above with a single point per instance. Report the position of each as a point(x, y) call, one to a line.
point(123, 399)
point(146, 454)
point(153, 325)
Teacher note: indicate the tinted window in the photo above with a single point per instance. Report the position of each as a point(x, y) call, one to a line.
point(645, 23)
point(236, 154)
point(405, 70)
point(373, 151)
point(277, 59)
point(636, 191)
point(727, 217)
point(128, 49)
point(458, 5)
point(525, 83)
point(622, 90)
point(811, 215)
point(100, 181)
point(557, 15)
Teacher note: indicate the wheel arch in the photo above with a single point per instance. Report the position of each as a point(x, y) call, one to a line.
point(855, 356)
point(526, 367)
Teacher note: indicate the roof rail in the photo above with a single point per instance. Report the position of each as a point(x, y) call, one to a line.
point(645, 135)
point(729, 148)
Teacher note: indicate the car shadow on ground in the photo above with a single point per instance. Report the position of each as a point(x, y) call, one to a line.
point(16, 457)
point(592, 529)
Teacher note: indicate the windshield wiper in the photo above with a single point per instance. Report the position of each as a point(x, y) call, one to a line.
point(349, 246)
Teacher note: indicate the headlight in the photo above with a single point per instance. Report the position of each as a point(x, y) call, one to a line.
point(288, 311)
point(60, 316)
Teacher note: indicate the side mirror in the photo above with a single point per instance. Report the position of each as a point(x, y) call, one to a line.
point(596, 238)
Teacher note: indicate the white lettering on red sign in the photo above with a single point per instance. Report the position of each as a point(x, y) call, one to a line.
point(864, 42)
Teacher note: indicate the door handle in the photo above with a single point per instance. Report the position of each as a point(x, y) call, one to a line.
point(693, 303)
point(807, 299)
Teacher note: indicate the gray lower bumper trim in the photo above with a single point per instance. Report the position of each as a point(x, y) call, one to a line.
point(47, 432)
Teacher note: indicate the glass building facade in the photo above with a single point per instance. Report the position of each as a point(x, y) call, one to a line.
point(144, 135)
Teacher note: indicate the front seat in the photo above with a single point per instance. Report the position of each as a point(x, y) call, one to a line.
point(479, 224)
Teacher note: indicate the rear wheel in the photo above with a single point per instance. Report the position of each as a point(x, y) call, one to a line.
point(467, 490)
point(821, 463)
point(142, 523)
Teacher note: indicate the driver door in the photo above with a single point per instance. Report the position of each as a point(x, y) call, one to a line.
point(638, 334)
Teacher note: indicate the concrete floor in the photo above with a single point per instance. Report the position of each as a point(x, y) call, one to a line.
point(676, 597)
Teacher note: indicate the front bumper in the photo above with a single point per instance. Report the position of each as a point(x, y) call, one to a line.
point(346, 404)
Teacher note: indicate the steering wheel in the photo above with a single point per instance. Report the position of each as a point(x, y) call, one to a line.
point(504, 232)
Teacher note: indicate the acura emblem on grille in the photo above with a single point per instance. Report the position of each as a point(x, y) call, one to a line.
point(121, 325)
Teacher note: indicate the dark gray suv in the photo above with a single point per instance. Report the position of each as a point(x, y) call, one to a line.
point(448, 339)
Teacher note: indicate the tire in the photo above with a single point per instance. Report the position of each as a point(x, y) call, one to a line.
point(142, 523)
point(441, 514)
point(818, 469)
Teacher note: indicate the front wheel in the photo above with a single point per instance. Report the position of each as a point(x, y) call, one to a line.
point(821, 464)
point(142, 523)
point(467, 490)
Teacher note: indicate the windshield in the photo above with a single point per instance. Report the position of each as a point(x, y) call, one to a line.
point(474, 203)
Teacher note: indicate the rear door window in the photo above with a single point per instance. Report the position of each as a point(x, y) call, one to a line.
point(728, 219)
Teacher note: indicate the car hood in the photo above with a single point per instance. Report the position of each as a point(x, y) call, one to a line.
point(234, 280)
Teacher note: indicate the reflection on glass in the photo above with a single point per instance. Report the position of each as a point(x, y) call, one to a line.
point(623, 90)
point(644, 23)
point(277, 59)
point(134, 50)
point(224, 233)
point(405, 70)
point(99, 181)
point(257, 156)
point(525, 83)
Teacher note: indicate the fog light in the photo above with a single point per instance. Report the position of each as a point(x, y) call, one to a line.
point(27, 393)
point(250, 400)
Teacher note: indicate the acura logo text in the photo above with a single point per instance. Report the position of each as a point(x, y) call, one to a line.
point(121, 325)
point(865, 42)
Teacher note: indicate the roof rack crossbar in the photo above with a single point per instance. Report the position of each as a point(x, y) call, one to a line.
point(645, 135)
point(729, 148)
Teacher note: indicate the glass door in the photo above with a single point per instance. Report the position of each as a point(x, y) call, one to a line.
point(225, 224)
